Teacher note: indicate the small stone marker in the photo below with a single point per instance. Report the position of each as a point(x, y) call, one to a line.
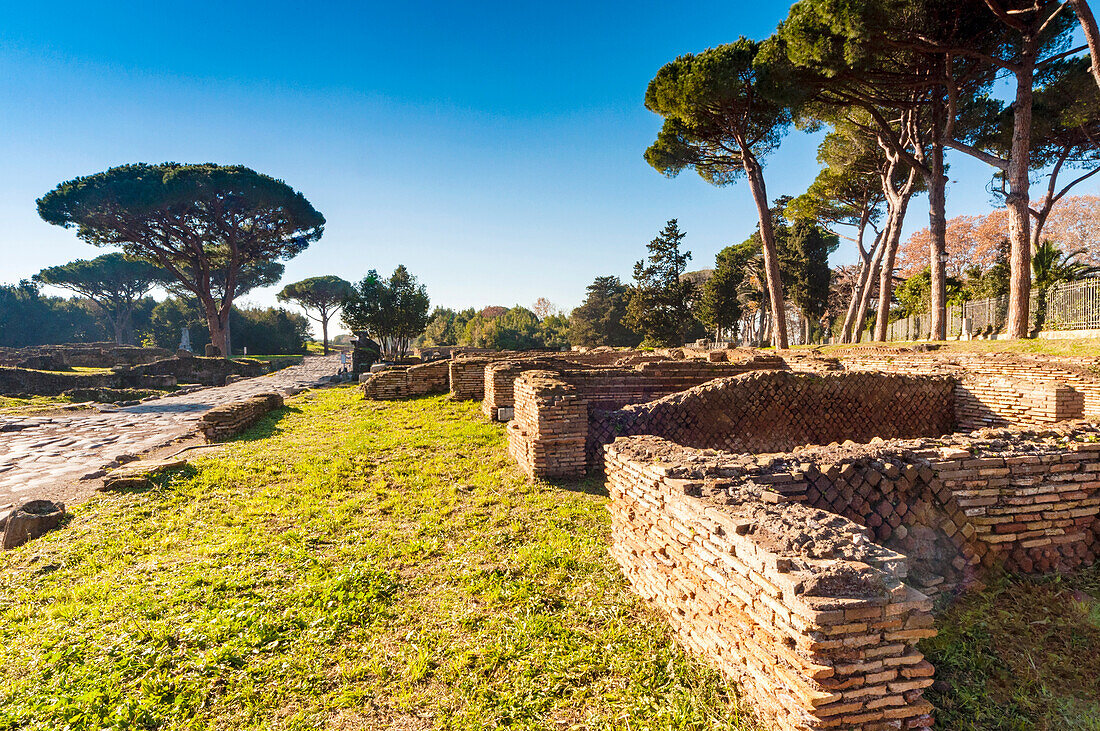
point(31, 520)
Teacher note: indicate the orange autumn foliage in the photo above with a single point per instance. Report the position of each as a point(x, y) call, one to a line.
point(1074, 223)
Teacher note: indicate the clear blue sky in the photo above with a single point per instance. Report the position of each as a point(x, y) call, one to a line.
point(494, 148)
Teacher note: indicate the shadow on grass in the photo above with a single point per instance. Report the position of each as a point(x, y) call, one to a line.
point(267, 427)
point(592, 484)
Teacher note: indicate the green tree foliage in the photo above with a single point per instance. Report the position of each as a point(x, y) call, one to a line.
point(198, 222)
point(721, 304)
point(601, 319)
point(392, 311)
point(113, 281)
point(803, 249)
point(725, 109)
point(447, 327)
point(262, 330)
point(914, 295)
point(170, 316)
point(804, 265)
point(660, 302)
point(269, 331)
point(993, 282)
point(553, 332)
point(28, 318)
point(323, 295)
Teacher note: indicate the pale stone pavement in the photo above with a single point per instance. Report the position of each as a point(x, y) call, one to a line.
point(45, 456)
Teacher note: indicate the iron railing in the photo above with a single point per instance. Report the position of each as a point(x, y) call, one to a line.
point(1073, 305)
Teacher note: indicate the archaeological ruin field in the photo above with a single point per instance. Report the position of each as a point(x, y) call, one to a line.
point(685, 538)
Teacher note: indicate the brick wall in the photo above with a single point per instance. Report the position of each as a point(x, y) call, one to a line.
point(228, 420)
point(592, 390)
point(404, 382)
point(739, 550)
point(500, 375)
point(998, 388)
point(773, 411)
point(547, 435)
point(818, 632)
point(756, 411)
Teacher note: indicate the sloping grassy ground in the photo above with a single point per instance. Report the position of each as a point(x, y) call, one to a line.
point(348, 565)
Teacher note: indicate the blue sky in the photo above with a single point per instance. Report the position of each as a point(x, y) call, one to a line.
point(494, 148)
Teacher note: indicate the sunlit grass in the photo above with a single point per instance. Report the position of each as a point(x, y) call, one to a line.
point(349, 565)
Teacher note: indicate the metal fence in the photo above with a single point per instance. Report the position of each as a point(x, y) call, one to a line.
point(1076, 303)
point(1074, 306)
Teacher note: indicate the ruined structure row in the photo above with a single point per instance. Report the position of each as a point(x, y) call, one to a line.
point(793, 517)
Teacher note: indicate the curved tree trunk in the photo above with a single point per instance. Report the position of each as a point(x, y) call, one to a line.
point(869, 286)
point(899, 206)
point(771, 260)
point(853, 303)
point(1092, 35)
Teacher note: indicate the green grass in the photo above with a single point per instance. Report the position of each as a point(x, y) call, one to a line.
point(278, 362)
point(1021, 655)
point(31, 403)
point(1080, 347)
point(346, 565)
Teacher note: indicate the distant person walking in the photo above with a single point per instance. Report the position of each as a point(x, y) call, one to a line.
point(826, 323)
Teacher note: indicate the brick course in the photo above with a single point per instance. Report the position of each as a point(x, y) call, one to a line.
point(786, 571)
point(229, 420)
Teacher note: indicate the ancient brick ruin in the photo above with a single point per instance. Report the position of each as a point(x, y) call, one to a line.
point(229, 420)
point(794, 517)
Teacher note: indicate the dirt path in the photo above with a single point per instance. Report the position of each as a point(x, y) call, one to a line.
point(46, 456)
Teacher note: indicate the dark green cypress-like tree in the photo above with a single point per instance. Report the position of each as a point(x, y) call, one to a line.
point(660, 303)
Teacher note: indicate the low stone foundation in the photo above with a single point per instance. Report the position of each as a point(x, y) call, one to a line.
point(405, 382)
point(24, 381)
point(229, 420)
point(85, 355)
point(201, 370)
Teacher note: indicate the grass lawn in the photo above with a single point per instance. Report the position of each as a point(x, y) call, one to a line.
point(347, 565)
point(1080, 347)
point(381, 565)
point(278, 362)
point(32, 403)
point(1021, 654)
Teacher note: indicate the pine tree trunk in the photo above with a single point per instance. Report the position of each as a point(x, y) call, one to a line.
point(853, 304)
point(886, 273)
point(771, 259)
point(1018, 200)
point(219, 332)
point(324, 335)
point(868, 287)
point(936, 183)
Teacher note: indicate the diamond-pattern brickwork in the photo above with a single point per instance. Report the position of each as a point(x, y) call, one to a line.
point(774, 411)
